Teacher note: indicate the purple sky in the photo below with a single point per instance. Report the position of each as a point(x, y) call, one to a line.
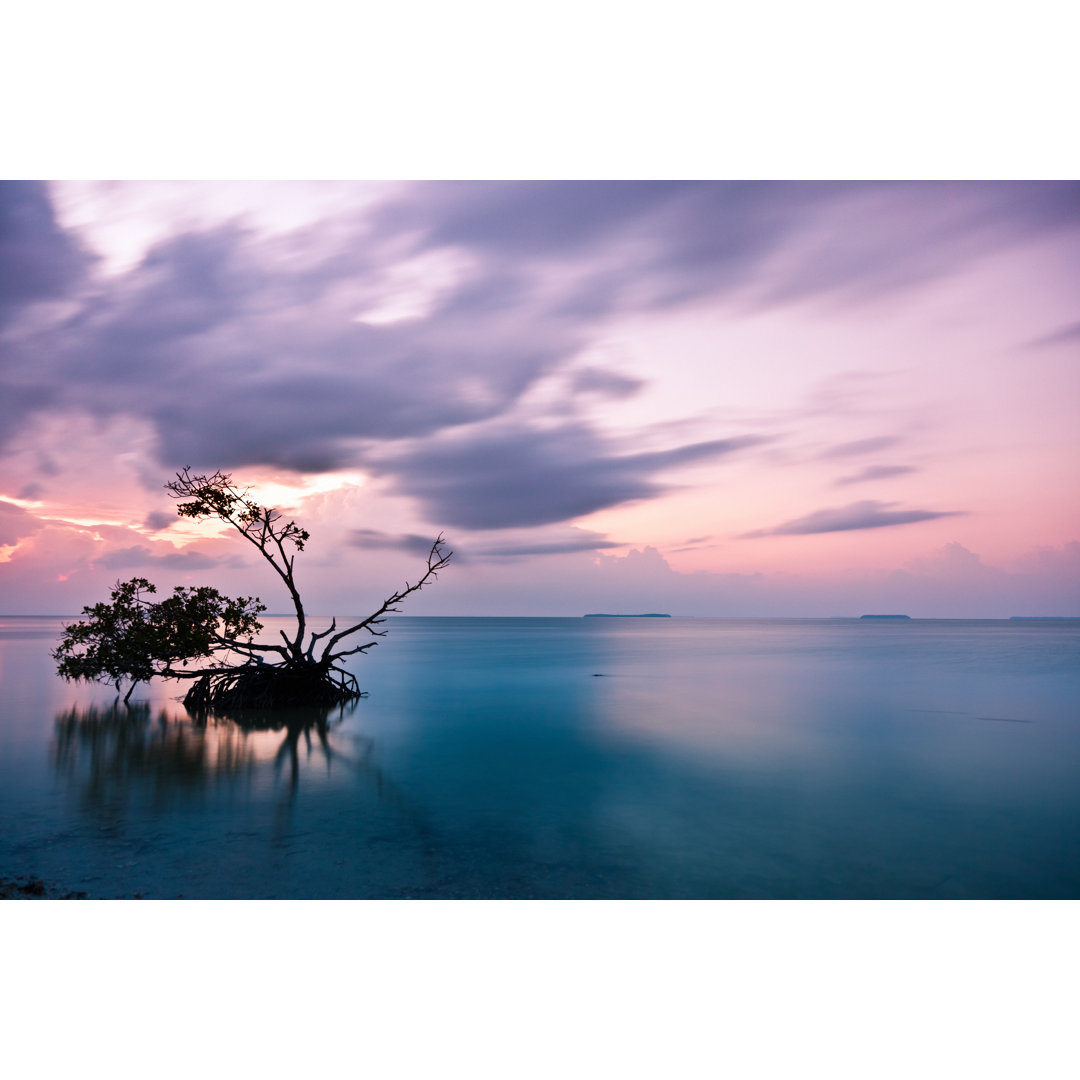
point(703, 398)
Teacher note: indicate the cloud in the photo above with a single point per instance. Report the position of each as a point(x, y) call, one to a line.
point(138, 555)
point(631, 244)
point(159, 519)
point(239, 355)
point(953, 560)
point(658, 243)
point(16, 523)
point(414, 544)
point(1066, 335)
point(1063, 562)
point(374, 540)
point(554, 547)
point(859, 447)
point(38, 259)
point(525, 476)
point(866, 514)
point(537, 217)
point(594, 380)
point(877, 239)
point(876, 472)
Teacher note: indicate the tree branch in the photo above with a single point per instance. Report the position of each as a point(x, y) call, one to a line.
point(436, 560)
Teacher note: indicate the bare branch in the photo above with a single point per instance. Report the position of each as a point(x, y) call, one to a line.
point(318, 636)
point(437, 558)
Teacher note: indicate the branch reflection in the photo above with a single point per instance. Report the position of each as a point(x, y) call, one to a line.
point(123, 753)
point(266, 776)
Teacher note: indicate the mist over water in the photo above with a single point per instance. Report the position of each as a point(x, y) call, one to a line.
point(572, 758)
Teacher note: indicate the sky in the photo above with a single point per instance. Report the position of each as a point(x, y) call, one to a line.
point(705, 398)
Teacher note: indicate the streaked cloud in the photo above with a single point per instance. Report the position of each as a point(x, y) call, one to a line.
point(376, 540)
point(866, 514)
point(522, 476)
point(876, 472)
point(860, 447)
point(612, 384)
point(1066, 335)
point(138, 555)
point(555, 547)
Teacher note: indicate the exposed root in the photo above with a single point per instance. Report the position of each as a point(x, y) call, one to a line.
point(271, 686)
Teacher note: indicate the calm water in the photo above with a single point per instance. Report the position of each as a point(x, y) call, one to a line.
point(574, 758)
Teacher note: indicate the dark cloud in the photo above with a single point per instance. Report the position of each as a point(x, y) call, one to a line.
point(238, 357)
point(19, 403)
point(414, 544)
point(861, 446)
point(519, 476)
point(531, 218)
point(374, 540)
point(554, 547)
point(159, 519)
point(867, 514)
point(39, 262)
point(876, 472)
point(38, 259)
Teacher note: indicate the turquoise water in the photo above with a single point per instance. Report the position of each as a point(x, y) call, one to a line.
point(573, 758)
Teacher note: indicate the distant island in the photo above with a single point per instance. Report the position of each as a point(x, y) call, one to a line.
point(884, 616)
point(645, 615)
point(1043, 618)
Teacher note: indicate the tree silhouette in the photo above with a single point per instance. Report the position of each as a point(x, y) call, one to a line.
point(135, 638)
point(198, 634)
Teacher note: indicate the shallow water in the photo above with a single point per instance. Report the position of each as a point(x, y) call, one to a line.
point(574, 758)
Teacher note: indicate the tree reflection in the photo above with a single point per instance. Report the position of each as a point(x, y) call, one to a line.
point(123, 751)
point(160, 784)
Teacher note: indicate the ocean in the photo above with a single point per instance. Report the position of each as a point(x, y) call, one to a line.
point(572, 759)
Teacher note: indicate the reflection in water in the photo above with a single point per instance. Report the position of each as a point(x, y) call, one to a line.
point(125, 748)
point(119, 749)
point(130, 755)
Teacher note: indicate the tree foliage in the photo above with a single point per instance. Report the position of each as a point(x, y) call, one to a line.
point(136, 638)
point(198, 634)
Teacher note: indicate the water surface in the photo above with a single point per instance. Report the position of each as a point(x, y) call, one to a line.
point(573, 758)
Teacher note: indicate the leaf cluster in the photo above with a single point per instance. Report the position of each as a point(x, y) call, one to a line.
point(217, 496)
point(133, 637)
